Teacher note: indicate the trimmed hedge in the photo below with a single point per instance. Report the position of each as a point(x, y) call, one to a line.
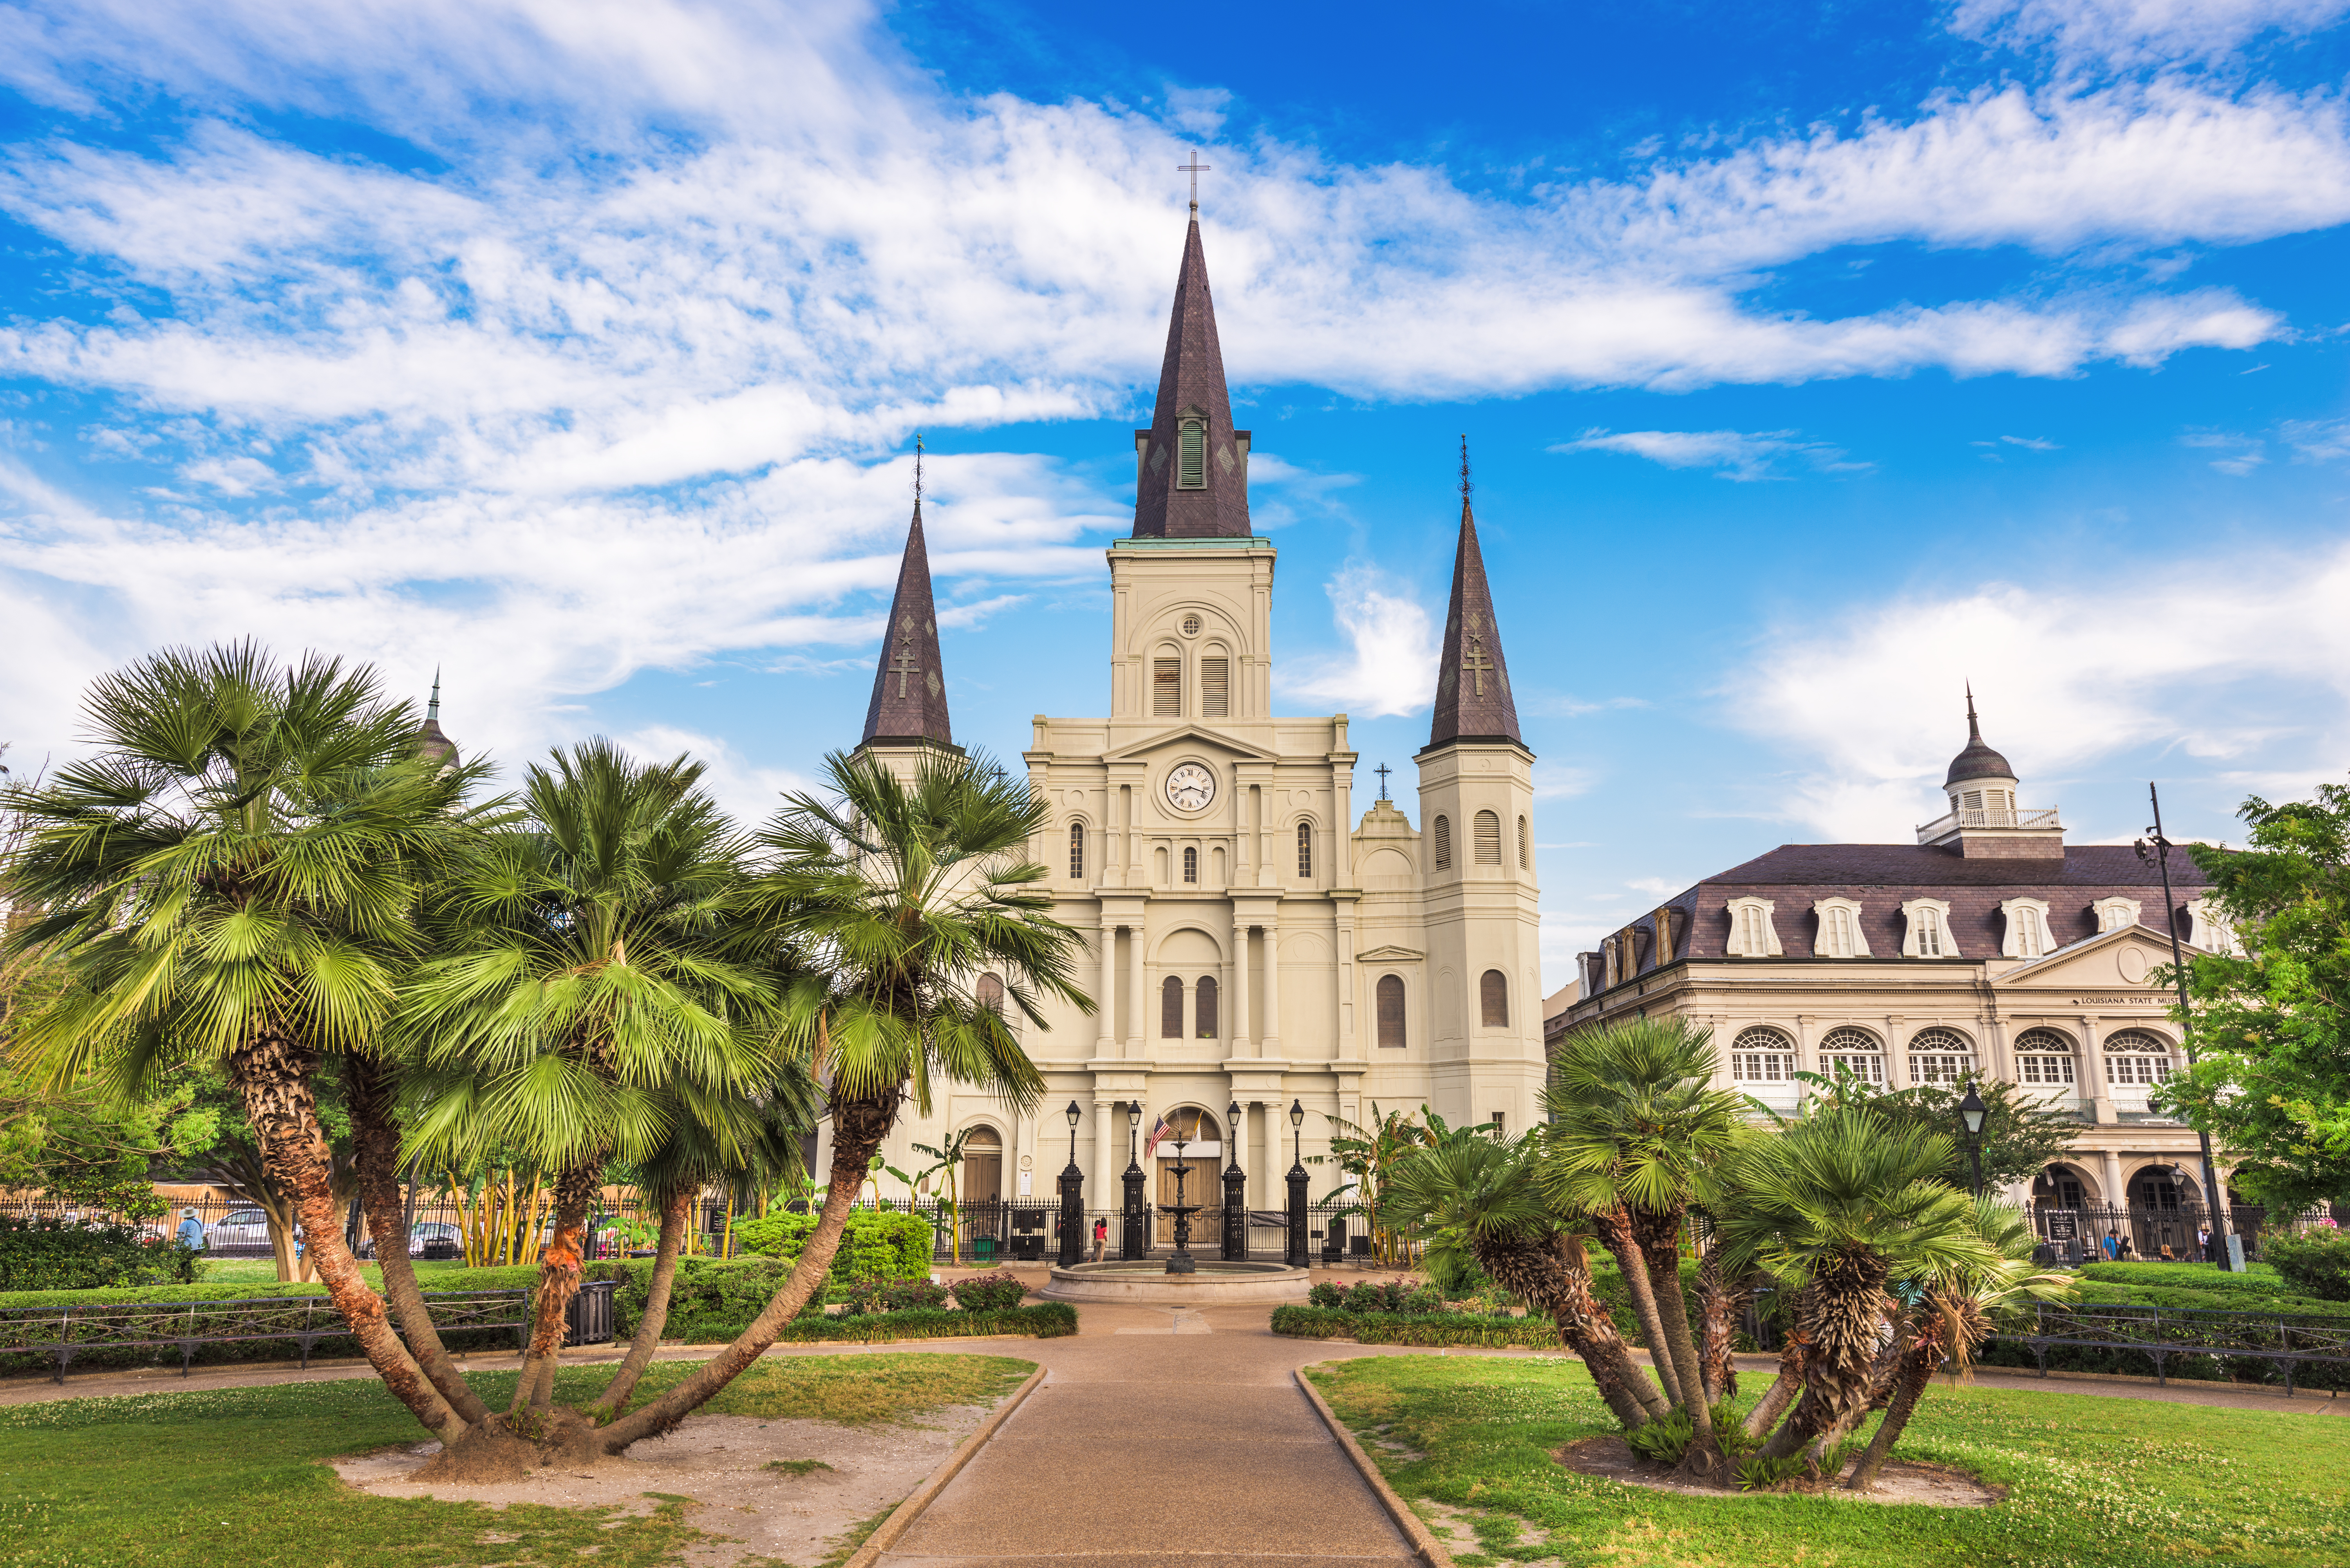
point(2316, 1262)
point(1416, 1328)
point(1045, 1320)
point(877, 1244)
point(522, 1278)
point(46, 1253)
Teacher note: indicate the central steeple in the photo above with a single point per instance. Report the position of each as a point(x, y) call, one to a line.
point(1191, 467)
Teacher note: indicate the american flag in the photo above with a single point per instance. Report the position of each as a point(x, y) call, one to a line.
point(1161, 1131)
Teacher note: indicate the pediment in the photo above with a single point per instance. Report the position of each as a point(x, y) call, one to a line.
point(2111, 964)
point(1390, 954)
point(1190, 735)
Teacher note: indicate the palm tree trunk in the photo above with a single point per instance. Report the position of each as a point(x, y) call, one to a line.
point(272, 1073)
point(1844, 1308)
point(1917, 1372)
point(1616, 1231)
point(858, 1128)
point(558, 1278)
point(366, 1091)
point(1783, 1388)
point(674, 1213)
point(1657, 1232)
point(1543, 1274)
point(1721, 1305)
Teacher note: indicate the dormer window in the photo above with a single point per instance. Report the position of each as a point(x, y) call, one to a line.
point(2027, 928)
point(2117, 914)
point(1192, 454)
point(1839, 933)
point(1751, 934)
point(1925, 929)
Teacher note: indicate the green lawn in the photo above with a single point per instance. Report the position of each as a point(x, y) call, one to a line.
point(2095, 1483)
point(179, 1481)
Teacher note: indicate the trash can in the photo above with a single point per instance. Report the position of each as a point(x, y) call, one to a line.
point(588, 1319)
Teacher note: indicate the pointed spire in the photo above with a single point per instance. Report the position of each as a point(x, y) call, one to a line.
point(1978, 760)
point(429, 741)
point(1472, 678)
point(1974, 726)
point(910, 689)
point(1191, 466)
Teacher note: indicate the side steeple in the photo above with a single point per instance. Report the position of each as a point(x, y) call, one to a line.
point(431, 743)
point(909, 688)
point(1472, 678)
point(1191, 467)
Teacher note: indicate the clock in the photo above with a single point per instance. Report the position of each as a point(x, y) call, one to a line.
point(1191, 787)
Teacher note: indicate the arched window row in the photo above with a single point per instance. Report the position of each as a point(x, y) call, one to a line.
point(1213, 674)
point(1204, 1001)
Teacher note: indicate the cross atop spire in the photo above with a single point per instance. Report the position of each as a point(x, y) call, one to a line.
point(1383, 770)
point(908, 707)
point(1194, 169)
point(1472, 678)
point(1190, 474)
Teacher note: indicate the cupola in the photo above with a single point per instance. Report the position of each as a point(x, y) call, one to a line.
point(1985, 819)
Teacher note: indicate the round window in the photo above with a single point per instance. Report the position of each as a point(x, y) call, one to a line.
point(1190, 626)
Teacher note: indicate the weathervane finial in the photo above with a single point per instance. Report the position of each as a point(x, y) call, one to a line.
point(1465, 486)
point(918, 473)
point(433, 709)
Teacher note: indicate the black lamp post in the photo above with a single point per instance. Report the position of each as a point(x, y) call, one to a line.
point(1134, 1228)
point(1181, 1263)
point(2227, 1256)
point(1297, 1258)
point(1971, 1111)
point(1235, 1190)
point(1073, 1198)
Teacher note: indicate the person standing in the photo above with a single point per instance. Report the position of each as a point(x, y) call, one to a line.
point(1101, 1239)
point(191, 1230)
point(2113, 1247)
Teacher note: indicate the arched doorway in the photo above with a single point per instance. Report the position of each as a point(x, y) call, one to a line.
point(979, 1194)
point(2166, 1205)
point(1203, 1153)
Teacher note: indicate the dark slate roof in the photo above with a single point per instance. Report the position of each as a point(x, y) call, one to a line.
point(1978, 760)
point(909, 688)
point(1472, 678)
point(2085, 866)
point(431, 744)
point(1191, 376)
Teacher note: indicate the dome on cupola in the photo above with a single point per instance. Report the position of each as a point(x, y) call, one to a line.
point(431, 743)
point(1978, 760)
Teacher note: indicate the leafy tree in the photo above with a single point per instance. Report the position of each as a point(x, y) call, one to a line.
point(2021, 1136)
point(230, 879)
point(2271, 1028)
point(203, 1134)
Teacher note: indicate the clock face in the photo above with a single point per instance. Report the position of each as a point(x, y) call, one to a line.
point(1191, 787)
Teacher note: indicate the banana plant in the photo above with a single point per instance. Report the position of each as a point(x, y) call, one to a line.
point(948, 1166)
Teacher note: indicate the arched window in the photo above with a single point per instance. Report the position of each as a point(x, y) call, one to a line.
point(1390, 1011)
point(1762, 1055)
point(1444, 844)
point(1941, 1056)
point(1216, 687)
point(1525, 858)
point(2044, 1058)
point(2135, 1059)
point(1488, 830)
point(988, 992)
point(1192, 454)
point(1191, 863)
point(1205, 994)
point(1856, 1051)
point(1306, 849)
point(1167, 688)
point(1078, 850)
point(1494, 998)
point(1170, 1008)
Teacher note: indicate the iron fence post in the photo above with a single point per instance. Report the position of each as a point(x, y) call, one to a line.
point(1297, 1254)
point(1235, 1212)
point(1073, 1214)
point(1134, 1228)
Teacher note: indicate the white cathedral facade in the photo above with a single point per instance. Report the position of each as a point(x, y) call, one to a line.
point(1253, 944)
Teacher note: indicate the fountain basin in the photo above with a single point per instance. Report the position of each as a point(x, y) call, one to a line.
point(1147, 1281)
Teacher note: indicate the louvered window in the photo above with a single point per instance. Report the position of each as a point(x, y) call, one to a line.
point(1493, 999)
point(1078, 850)
point(1215, 688)
point(1489, 838)
point(1391, 1010)
point(1171, 1009)
point(1205, 1002)
point(1306, 849)
point(1191, 865)
point(1191, 455)
point(1167, 686)
point(1525, 857)
point(1444, 844)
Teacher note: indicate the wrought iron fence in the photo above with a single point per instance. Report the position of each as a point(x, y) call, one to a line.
point(2284, 1340)
point(2152, 1235)
point(62, 1332)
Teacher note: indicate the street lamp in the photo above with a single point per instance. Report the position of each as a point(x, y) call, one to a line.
point(1134, 1240)
point(2229, 1256)
point(1073, 1201)
point(1235, 1190)
point(1971, 1111)
point(1296, 1256)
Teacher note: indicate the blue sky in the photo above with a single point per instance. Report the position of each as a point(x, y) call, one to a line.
point(1815, 360)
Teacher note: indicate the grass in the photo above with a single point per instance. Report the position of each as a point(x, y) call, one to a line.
point(186, 1480)
point(2094, 1483)
point(796, 1467)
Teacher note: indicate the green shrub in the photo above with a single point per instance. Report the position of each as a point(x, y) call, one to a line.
point(877, 1245)
point(989, 1292)
point(897, 1295)
point(1665, 1439)
point(1310, 1322)
point(51, 1254)
point(2316, 1262)
point(1044, 1320)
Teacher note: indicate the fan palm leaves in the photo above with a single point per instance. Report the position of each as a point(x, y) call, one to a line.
point(590, 987)
point(897, 896)
point(1633, 1124)
point(232, 878)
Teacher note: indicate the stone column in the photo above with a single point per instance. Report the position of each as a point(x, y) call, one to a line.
point(2116, 1196)
point(1109, 1158)
point(1106, 998)
point(1137, 1004)
point(1244, 863)
point(1240, 1030)
point(1269, 1042)
point(2094, 1087)
point(1897, 1055)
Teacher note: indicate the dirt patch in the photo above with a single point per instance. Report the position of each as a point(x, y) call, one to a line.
point(1938, 1486)
point(746, 1479)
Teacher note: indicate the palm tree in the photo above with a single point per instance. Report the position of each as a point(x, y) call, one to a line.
point(1478, 1195)
point(1633, 1124)
point(230, 879)
point(589, 983)
point(901, 895)
point(1836, 1207)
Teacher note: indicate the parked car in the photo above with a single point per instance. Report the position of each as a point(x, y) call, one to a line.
point(239, 1229)
point(422, 1238)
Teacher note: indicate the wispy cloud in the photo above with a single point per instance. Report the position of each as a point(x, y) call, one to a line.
point(2240, 453)
point(1390, 667)
point(1733, 454)
point(2135, 32)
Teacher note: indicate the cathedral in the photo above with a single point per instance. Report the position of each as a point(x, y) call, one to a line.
point(1254, 948)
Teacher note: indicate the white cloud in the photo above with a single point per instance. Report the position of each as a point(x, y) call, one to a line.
point(1869, 702)
point(1731, 454)
point(2131, 32)
point(2242, 453)
point(1391, 667)
point(2317, 440)
point(2031, 443)
point(748, 793)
